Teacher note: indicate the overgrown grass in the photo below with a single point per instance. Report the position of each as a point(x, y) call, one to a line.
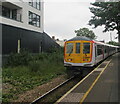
point(40, 69)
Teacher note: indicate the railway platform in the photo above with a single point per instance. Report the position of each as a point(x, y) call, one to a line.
point(100, 85)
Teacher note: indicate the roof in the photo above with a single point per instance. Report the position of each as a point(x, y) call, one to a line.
point(89, 39)
point(80, 38)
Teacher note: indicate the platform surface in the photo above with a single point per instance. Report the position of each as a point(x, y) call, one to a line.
point(101, 85)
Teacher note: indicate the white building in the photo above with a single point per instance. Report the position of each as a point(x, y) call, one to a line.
point(18, 13)
point(23, 27)
point(60, 42)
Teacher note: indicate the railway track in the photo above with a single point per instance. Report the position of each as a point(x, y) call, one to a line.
point(55, 93)
point(48, 95)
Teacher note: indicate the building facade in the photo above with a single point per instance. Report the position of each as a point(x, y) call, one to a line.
point(23, 27)
point(60, 42)
point(26, 15)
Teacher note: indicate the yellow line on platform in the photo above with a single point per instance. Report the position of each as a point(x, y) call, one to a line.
point(59, 100)
point(86, 94)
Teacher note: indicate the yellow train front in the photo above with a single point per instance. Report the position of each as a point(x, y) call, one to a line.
point(84, 52)
point(78, 52)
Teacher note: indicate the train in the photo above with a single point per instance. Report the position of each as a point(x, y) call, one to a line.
point(82, 51)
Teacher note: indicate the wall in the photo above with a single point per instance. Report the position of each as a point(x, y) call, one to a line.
point(35, 42)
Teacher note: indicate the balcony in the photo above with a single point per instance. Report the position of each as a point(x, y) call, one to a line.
point(11, 11)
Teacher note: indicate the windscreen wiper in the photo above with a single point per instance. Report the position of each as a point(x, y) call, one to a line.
point(71, 51)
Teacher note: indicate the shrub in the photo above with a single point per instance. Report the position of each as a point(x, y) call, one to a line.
point(16, 59)
point(25, 58)
point(34, 66)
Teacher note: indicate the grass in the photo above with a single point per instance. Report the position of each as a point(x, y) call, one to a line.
point(18, 79)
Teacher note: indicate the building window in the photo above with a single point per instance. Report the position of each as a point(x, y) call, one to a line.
point(35, 4)
point(14, 14)
point(5, 12)
point(10, 13)
point(34, 19)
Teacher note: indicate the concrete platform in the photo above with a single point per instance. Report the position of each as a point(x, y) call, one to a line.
point(101, 85)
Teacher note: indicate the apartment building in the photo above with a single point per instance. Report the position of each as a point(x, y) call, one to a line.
point(22, 24)
point(26, 15)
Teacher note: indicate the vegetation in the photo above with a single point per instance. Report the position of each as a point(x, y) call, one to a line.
point(85, 32)
point(24, 71)
point(114, 43)
point(107, 14)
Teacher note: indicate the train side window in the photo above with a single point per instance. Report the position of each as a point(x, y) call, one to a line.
point(86, 48)
point(77, 47)
point(105, 49)
point(99, 50)
point(69, 48)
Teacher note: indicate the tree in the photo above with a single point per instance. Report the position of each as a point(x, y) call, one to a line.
point(107, 14)
point(85, 32)
point(113, 43)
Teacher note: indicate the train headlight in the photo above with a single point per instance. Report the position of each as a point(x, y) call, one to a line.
point(69, 59)
point(85, 60)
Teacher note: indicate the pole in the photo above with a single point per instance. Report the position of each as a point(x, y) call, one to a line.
point(19, 46)
point(111, 36)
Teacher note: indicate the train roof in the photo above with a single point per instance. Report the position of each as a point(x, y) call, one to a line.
point(89, 39)
point(80, 38)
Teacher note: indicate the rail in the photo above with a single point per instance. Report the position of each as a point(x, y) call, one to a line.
point(52, 90)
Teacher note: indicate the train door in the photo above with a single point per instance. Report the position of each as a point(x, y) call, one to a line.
point(95, 52)
point(77, 55)
point(103, 51)
point(87, 52)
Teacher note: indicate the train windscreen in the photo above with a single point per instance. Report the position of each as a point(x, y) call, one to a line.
point(86, 48)
point(69, 48)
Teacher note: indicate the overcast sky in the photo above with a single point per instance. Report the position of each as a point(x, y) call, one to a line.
point(63, 17)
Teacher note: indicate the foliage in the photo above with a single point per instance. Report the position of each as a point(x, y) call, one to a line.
point(114, 43)
point(107, 14)
point(16, 59)
point(25, 57)
point(85, 32)
point(40, 68)
point(23, 79)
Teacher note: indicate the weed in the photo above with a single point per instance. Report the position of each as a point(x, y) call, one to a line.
point(26, 71)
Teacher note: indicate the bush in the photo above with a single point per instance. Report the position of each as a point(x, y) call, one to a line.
point(30, 70)
point(34, 66)
point(16, 59)
point(32, 60)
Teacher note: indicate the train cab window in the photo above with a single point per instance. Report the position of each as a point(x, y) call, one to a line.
point(69, 48)
point(77, 47)
point(86, 48)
